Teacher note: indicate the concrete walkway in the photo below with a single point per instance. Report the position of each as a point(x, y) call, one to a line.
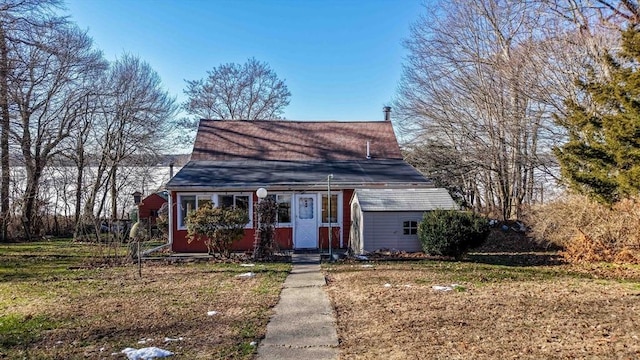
point(303, 326)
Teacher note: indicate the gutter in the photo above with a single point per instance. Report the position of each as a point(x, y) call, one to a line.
point(303, 187)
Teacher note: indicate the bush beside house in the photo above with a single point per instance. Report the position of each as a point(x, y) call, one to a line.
point(218, 227)
point(451, 232)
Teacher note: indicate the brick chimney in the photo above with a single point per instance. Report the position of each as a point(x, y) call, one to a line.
point(387, 113)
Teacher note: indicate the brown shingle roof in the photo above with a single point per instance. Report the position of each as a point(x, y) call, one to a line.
point(294, 140)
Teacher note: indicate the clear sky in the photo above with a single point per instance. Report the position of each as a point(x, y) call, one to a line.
point(341, 60)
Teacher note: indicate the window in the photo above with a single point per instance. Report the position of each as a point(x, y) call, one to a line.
point(225, 200)
point(236, 201)
point(187, 204)
point(334, 208)
point(410, 227)
point(305, 208)
point(284, 208)
point(203, 200)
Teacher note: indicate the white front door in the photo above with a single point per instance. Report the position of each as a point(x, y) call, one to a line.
point(306, 224)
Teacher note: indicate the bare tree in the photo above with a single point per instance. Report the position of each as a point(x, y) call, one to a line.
point(56, 69)
point(17, 19)
point(130, 123)
point(139, 115)
point(251, 91)
point(467, 89)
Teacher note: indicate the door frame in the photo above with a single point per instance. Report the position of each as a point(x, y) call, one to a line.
point(296, 221)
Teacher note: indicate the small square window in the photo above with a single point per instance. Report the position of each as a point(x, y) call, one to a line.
point(410, 227)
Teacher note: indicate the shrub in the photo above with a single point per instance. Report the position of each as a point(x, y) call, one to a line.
point(218, 227)
point(451, 232)
point(266, 212)
point(587, 230)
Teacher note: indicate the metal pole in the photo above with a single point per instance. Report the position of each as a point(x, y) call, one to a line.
point(138, 242)
point(329, 210)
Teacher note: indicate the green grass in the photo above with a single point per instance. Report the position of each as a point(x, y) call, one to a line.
point(48, 259)
point(48, 290)
point(18, 329)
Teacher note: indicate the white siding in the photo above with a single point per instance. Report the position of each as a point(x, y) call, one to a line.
point(356, 231)
point(383, 230)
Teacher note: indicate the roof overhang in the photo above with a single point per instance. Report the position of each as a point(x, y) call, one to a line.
point(296, 175)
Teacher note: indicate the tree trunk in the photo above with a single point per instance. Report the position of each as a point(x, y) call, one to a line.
point(30, 198)
point(79, 187)
point(4, 138)
point(114, 193)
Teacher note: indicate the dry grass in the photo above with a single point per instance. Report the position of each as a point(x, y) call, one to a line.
point(589, 231)
point(92, 313)
point(499, 312)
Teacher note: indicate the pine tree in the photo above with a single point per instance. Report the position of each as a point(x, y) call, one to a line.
point(602, 156)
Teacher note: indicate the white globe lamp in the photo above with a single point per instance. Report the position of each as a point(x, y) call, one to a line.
point(262, 193)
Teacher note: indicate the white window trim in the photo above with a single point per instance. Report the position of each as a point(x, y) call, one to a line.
point(291, 215)
point(180, 209)
point(215, 202)
point(326, 224)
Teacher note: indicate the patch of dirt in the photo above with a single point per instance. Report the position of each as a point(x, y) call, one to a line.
point(391, 311)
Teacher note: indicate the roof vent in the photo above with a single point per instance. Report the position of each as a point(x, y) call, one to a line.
point(387, 113)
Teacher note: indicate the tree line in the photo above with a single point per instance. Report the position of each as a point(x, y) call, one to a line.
point(61, 102)
point(501, 99)
point(59, 98)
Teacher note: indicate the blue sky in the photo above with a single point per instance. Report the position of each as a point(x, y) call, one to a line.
point(341, 60)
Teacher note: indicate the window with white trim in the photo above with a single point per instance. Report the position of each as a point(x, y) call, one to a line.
point(192, 202)
point(284, 208)
point(238, 201)
point(410, 227)
point(334, 208)
point(187, 203)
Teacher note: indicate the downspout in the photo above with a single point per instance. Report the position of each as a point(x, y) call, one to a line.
point(171, 214)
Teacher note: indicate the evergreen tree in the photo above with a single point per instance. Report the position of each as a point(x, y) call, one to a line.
point(602, 156)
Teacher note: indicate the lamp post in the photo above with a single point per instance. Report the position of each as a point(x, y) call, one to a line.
point(261, 193)
point(329, 177)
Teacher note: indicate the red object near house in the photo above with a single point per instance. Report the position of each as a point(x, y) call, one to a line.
point(150, 205)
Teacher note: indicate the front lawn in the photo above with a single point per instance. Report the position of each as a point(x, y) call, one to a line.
point(53, 306)
point(393, 311)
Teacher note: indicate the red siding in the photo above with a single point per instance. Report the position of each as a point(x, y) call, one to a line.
point(346, 216)
point(324, 237)
point(284, 236)
point(150, 206)
point(284, 239)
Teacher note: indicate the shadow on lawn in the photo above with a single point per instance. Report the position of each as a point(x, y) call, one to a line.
point(517, 259)
point(514, 249)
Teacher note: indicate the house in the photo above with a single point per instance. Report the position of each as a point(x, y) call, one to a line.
point(311, 168)
point(388, 218)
